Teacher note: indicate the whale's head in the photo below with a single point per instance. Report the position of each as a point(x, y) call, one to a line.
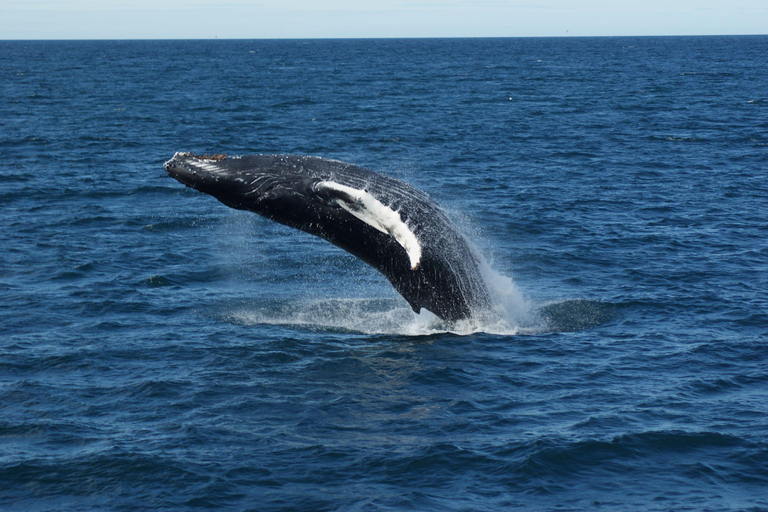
point(258, 183)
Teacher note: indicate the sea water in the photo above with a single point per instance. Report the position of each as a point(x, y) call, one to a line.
point(159, 351)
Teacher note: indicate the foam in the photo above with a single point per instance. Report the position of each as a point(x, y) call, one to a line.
point(511, 315)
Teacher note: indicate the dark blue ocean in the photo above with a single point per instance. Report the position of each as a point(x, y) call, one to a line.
point(160, 351)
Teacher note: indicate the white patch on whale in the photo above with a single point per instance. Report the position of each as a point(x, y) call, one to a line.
point(370, 210)
point(211, 167)
point(199, 163)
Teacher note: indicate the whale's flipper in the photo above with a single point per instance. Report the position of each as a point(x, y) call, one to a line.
point(363, 205)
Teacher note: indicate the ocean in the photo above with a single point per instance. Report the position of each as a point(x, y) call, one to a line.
point(160, 351)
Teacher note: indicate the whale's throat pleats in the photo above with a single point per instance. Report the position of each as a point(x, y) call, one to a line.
point(373, 212)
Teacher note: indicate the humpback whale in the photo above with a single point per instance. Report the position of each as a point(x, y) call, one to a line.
point(390, 225)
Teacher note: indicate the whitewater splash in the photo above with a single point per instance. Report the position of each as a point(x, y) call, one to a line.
point(512, 314)
point(385, 317)
point(361, 316)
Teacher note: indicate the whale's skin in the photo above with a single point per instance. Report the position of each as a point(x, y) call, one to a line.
point(437, 270)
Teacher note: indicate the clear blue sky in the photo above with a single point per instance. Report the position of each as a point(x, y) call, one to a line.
point(203, 19)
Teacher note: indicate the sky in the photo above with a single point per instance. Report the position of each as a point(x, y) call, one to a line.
point(269, 19)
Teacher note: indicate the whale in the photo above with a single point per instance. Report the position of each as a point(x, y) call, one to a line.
point(392, 226)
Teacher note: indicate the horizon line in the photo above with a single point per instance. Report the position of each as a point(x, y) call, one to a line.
point(216, 38)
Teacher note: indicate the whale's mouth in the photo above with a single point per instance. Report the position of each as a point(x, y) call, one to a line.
point(197, 171)
point(180, 172)
point(213, 175)
point(185, 167)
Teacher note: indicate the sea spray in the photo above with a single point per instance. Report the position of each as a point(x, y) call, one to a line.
point(512, 314)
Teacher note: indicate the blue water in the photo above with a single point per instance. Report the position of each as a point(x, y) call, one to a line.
point(160, 351)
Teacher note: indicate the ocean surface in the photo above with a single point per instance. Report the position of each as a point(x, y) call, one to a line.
point(160, 351)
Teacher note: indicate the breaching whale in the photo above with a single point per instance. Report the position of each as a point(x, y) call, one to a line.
point(392, 226)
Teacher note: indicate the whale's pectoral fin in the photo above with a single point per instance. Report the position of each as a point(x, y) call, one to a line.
point(373, 212)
